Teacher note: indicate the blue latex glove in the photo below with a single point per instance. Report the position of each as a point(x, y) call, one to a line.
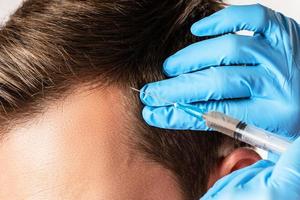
point(262, 181)
point(255, 79)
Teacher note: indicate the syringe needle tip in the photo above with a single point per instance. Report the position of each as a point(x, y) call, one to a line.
point(147, 93)
point(137, 90)
point(134, 89)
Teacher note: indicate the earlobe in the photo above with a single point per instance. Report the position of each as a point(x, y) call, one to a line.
point(237, 159)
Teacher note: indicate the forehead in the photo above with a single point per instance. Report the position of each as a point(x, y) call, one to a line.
point(78, 150)
point(84, 113)
point(72, 137)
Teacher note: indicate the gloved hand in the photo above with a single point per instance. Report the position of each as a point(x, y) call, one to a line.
point(252, 78)
point(263, 180)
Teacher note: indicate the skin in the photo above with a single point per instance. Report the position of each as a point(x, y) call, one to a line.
point(76, 150)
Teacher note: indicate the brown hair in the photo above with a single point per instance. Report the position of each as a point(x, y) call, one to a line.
point(48, 46)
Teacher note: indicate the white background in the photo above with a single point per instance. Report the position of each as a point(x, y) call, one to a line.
point(290, 8)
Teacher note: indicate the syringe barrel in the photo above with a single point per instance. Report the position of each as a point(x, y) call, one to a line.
point(252, 135)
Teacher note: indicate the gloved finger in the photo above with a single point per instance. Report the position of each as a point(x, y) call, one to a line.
point(224, 50)
point(173, 118)
point(287, 169)
point(274, 157)
point(237, 178)
point(233, 19)
point(215, 83)
point(249, 186)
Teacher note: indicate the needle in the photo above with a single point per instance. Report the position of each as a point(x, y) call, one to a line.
point(152, 95)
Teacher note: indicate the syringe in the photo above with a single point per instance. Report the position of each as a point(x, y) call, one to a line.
point(237, 129)
point(234, 128)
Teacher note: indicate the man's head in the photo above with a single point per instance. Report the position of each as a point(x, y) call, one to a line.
point(71, 127)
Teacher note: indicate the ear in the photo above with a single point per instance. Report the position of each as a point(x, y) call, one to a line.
point(237, 159)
